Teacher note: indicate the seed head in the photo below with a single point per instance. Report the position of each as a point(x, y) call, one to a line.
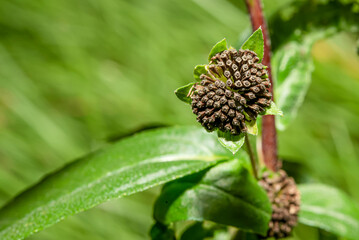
point(235, 89)
point(285, 199)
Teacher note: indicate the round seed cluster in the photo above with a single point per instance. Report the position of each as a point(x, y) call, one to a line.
point(234, 89)
point(285, 199)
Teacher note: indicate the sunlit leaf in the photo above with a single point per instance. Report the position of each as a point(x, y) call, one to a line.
point(330, 209)
point(226, 194)
point(183, 93)
point(273, 110)
point(255, 43)
point(126, 167)
point(198, 71)
point(252, 127)
point(232, 142)
point(219, 47)
point(293, 68)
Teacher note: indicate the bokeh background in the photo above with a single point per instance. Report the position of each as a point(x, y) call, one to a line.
point(76, 75)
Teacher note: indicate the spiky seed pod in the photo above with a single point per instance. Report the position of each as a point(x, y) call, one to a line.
point(235, 85)
point(285, 199)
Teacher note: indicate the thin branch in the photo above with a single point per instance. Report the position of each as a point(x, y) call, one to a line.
point(251, 156)
point(269, 134)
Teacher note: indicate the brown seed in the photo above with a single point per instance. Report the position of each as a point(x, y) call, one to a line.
point(229, 83)
point(234, 67)
point(209, 103)
point(227, 74)
point(231, 113)
point(231, 104)
point(225, 109)
point(228, 127)
point(228, 93)
point(246, 83)
point(211, 94)
point(244, 67)
point(229, 62)
point(220, 92)
point(238, 60)
point(223, 100)
point(237, 75)
point(250, 95)
point(204, 99)
point(238, 84)
point(217, 104)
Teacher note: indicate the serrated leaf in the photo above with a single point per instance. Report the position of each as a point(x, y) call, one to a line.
point(183, 93)
point(293, 68)
point(198, 71)
point(232, 142)
point(126, 167)
point(252, 127)
point(226, 194)
point(273, 110)
point(255, 43)
point(217, 48)
point(330, 209)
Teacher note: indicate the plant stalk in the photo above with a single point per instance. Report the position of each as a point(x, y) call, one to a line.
point(269, 134)
point(251, 156)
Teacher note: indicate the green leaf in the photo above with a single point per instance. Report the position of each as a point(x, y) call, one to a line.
point(255, 43)
point(183, 93)
point(202, 230)
point(232, 142)
point(161, 232)
point(219, 47)
point(293, 68)
point(226, 194)
point(198, 71)
point(252, 127)
point(273, 110)
point(330, 209)
point(129, 166)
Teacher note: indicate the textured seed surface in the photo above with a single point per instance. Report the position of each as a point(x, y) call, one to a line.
point(234, 90)
point(285, 199)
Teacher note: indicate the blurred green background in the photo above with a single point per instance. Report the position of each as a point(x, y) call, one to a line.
point(75, 75)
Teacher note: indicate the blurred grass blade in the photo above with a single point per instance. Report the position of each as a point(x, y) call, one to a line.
point(330, 209)
point(129, 166)
point(226, 194)
point(293, 69)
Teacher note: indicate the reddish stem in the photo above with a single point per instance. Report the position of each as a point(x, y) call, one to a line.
point(269, 135)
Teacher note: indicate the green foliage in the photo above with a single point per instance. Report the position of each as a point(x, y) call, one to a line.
point(273, 110)
point(129, 166)
point(217, 48)
point(252, 127)
point(198, 71)
point(161, 232)
point(293, 72)
point(255, 43)
point(231, 142)
point(200, 230)
point(330, 209)
point(183, 93)
point(226, 194)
